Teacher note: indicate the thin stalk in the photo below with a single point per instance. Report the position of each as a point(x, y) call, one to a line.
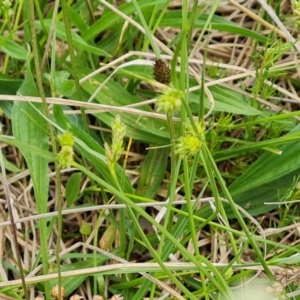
point(171, 195)
point(146, 41)
point(201, 94)
point(184, 78)
point(216, 279)
point(159, 18)
point(43, 226)
point(146, 28)
point(19, 14)
point(39, 14)
point(208, 165)
point(51, 41)
point(73, 60)
point(57, 168)
point(238, 216)
point(122, 222)
point(96, 240)
point(241, 233)
point(90, 10)
point(147, 243)
point(189, 205)
point(174, 171)
point(206, 25)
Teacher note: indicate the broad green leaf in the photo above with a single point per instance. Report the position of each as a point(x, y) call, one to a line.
point(231, 101)
point(30, 128)
point(268, 179)
point(153, 172)
point(62, 84)
point(247, 147)
point(226, 100)
point(8, 86)
point(73, 188)
point(78, 41)
point(13, 49)
point(101, 283)
point(138, 69)
point(110, 43)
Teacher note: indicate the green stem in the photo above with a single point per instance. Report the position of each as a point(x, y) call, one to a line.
point(73, 60)
point(189, 205)
point(210, 168)
point(238, 216)
point(216, 279)
point(172, 190)
point(122, 215)
point(147, 30)
point(43, 226)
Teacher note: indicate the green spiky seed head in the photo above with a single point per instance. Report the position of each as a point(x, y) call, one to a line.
point(188, 146)
point(65, 157)
point(169, 101)
point(66, 139)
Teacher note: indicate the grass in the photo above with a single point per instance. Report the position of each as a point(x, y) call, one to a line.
point(118, 185)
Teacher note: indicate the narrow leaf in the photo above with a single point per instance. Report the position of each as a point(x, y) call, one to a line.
point(78, 41)
point(268, 179)
point(14, 50)
point(153, 172)
point(30, 128)
point(73, 188)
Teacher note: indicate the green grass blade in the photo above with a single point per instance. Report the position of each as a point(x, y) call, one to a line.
point(174, 19)
point(152, 172)
point(268, 179)
point(30, 128)
point(78, 41)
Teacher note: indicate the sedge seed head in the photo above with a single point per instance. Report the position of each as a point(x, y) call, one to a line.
point(188, 146)
point(114, 151)
point(66, 139)
point(65, 156)
point(161, 72)
point(169, 101)
point(200, 129)
point(118, 130)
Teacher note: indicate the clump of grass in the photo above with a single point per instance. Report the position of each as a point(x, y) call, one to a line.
point(161, 166)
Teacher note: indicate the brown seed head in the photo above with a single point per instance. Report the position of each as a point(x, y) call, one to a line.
point(162, 72)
